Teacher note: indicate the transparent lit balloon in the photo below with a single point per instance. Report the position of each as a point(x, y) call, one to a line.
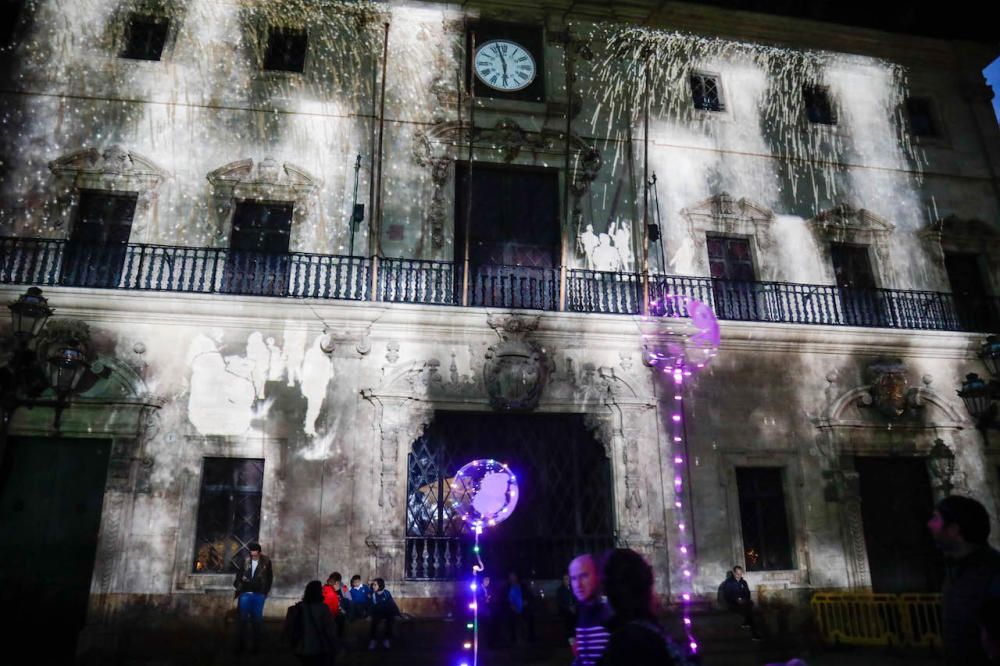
point(484, 492)
point(686, 334)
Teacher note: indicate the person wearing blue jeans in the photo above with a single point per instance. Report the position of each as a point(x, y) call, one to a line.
point(253, 583)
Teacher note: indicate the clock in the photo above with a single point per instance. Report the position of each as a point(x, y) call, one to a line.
point(504, 65)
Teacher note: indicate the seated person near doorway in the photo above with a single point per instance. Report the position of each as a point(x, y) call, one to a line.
point(736, 593)
point(360, 598)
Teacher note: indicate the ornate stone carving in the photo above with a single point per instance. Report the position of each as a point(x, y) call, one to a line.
point(724, 214)
point(889, 392)
point(633, 480)
point(115, 169)
point(516, 369)
point(846, 224)
point(266, 180)
point(514, 374)
point(392, 351)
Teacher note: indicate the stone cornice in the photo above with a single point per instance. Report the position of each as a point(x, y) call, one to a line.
point(455, 325)
point(739, 25)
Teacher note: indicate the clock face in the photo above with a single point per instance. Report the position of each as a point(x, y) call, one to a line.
point(504, 65)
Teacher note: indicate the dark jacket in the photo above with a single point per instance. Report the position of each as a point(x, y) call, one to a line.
point(736, 592)
point(259, 582)
point(969, 583)
point(315, 632)
point(383, 605)
point(639, 642)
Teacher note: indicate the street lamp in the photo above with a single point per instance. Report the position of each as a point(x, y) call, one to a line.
point(39, 360)
point(29, 313)
point(989, 353)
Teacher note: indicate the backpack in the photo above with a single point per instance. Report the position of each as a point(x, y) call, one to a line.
point(294, 628)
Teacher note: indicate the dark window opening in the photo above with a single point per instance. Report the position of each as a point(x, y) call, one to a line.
point(918, 111)
point(530, 37)
point(10, 15)
point(513, 235)
point(705, 92)
point(98, 245)
point(852, 266)
point(734, 287)
point(145, 37)
point(228, 513)
point(974, 307)
point(559, 465)
point(286, 50)
point(764, 519)
point(860, 301)
point(258, 261)
point(819, 108)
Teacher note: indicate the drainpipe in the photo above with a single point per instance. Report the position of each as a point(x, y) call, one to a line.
point(376, 232)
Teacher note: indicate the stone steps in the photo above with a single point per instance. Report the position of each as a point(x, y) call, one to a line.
point(434, 642)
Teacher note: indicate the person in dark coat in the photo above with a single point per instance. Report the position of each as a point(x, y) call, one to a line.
point(637, 639)
point(383, 610)
point(486, 599)
point(989, 629)
point(960, 527)
point(736, 594)
point(566, 608)
point(518, 605)
point(310, 628)
point(253, 583)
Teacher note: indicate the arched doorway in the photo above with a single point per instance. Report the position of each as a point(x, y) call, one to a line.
point(566, 503)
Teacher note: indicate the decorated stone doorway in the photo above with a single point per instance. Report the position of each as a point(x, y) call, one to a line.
point(50, 513)
point(565, 507)
point(896, 502)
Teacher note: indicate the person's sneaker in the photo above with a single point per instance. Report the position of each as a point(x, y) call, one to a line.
point(372, 644)
point(744, 626)
point(757, 638)
point(385, 644)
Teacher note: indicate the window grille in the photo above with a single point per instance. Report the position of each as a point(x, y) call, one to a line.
point(763, 519)
point(228, 513)
point(564, 509)
point(705, 92)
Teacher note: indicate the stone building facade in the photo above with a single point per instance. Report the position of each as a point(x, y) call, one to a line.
point(181, 177)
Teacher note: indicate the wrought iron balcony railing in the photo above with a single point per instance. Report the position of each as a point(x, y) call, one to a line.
point(47, 262)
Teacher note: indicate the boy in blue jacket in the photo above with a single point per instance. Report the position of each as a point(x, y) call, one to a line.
point(360, 598)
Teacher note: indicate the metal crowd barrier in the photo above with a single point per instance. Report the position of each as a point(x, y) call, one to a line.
point(854, 618)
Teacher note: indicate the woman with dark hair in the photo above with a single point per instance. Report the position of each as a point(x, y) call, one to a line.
point(637, 639)
point(310, 629)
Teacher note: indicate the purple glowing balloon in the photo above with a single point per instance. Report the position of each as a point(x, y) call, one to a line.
point(686, 336)
point(484, 492)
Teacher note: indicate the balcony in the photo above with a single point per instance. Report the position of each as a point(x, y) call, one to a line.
point(47, 262)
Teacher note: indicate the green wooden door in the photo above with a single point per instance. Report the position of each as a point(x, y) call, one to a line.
point(51, 491)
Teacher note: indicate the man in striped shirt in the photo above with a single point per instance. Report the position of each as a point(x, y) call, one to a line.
point(592, 611)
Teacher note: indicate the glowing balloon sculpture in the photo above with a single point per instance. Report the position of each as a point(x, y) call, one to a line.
point(484, 493)
point(680, 338)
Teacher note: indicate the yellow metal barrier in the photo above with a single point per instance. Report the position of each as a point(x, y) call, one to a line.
point(878, 619)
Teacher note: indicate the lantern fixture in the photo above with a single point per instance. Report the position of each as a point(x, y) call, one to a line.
point(941, 461)
point(29, 313)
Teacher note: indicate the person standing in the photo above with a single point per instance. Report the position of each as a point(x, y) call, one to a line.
point(591, 634)
point(566, 607)
point(736, 594)
point(309, 626)
point(637, 639)
point(960, 527)
point(253, 583)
